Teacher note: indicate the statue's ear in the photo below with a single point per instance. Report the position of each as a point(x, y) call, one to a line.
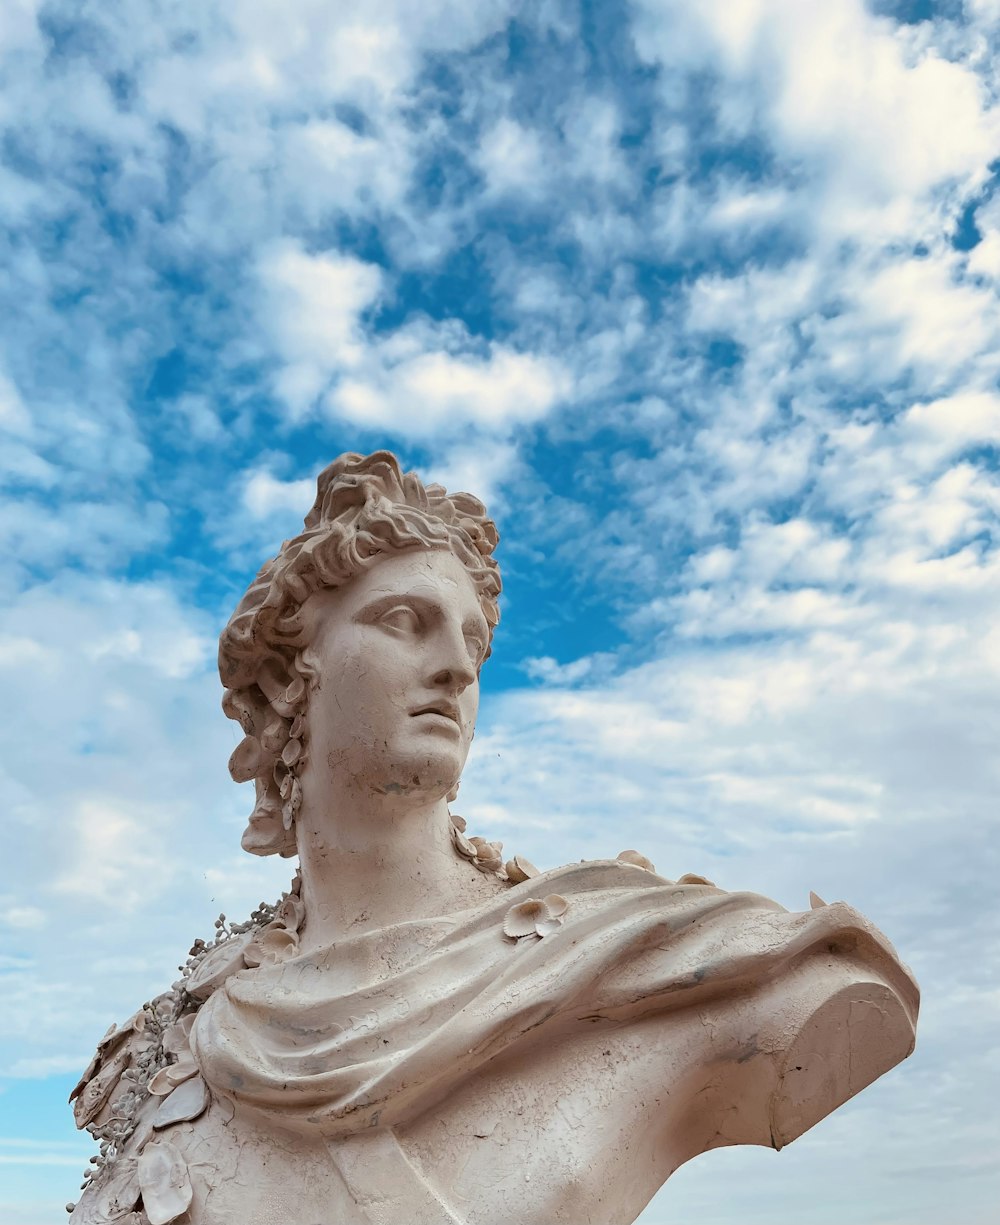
point(308, 666)
point(272, 678)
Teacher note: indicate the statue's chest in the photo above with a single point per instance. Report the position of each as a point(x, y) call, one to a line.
point(566, 1131)
point(575, 1129)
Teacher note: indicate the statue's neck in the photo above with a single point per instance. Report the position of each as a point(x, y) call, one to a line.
point(373, 861)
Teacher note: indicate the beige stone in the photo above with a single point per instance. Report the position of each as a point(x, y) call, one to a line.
point(419, 1033)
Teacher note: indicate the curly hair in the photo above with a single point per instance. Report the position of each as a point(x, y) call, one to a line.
point(365, 507)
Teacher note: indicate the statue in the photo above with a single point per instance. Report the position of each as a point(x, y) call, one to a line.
point(420, 1032)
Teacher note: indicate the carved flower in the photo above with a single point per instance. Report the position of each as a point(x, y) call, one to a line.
point(519, 870)
point(486, 856)
point(535, 917)
point(167, 1079)
point(271, 944)
point(177, 1038)
point(177, 1046)
point(489, 855)
point(462, 844)
point(290, 912)
point(217, 965)
point(636, 860)
point(459, 838)
point(692, 878)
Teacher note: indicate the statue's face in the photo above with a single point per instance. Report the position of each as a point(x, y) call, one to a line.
point(397, 654)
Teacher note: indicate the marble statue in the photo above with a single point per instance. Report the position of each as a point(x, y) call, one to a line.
point(421, 1032)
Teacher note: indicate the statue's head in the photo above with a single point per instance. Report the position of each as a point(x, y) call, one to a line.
point(379, 553)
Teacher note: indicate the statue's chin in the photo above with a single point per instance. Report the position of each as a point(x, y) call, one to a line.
point(420, 787)
point(423, 777)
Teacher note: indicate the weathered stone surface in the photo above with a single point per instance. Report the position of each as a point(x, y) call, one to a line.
point(420, 1031)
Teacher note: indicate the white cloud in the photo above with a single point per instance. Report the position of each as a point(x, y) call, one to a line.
point(873, 120)
point(513, 159)
point(196, 416)
point(30, 1069)
point(47, 534)
point(26, 466)
point(429, 393)
point(420, 380)
point(20, 29)
point(984, 259)
point(312, 306)
point(117, 860)
point(482, 470)
point(804, 554)
point(592, 128)
point(263, 494)
point(549, 670)
point(749, 306)
point(944, 428)
point(333, 170)
point(740, 208)
point(13, 414)
point(889, 125)
point(116, 785)
point(912, 314)
point(22, 916)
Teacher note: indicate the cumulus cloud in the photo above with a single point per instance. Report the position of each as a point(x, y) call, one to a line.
point(480, 470)
point(112, 822)
point(427, 393)
point(912, 314)
point(419, 381)
point(313, 304)
point(263, 494)
point(512, 158)
point(875, 120)
point(701, 298)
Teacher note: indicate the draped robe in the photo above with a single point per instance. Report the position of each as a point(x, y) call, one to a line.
point(444, 1072)
point(437, 1013)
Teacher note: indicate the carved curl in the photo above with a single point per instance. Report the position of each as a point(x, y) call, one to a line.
point(365, 507)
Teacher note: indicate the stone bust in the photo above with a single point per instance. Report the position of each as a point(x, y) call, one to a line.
point(421, 1033)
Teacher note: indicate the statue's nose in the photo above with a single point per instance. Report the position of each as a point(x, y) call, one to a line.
point(456, 679)
point(454, 668)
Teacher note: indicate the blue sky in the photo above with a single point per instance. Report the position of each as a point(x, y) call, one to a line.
point(703, 299)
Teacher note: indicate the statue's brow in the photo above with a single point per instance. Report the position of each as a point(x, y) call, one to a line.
point(474, 623)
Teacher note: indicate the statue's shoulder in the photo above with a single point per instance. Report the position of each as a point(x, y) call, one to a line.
point(130, 1056)
point(114, 1100)
point(144, 1078)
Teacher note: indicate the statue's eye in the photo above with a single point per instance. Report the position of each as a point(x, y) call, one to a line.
point(477, 647)
point(401, 618)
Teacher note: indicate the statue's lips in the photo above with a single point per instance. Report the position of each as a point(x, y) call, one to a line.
point(438, 711)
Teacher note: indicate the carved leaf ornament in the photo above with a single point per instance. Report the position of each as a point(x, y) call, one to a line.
point(164, 1182)
point(185, 1103)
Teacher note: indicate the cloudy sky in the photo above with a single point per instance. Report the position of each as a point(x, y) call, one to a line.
point(702, 297)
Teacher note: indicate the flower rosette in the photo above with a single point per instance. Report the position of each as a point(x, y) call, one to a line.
point(535, 917)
